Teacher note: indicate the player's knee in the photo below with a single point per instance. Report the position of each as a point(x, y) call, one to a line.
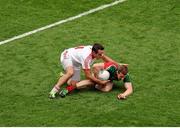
point(69, 82)
point(105, 90)
point(70, 73)
point(73, 83)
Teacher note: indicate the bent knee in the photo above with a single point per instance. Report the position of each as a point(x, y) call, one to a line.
point(105, 89)
point(70, 73)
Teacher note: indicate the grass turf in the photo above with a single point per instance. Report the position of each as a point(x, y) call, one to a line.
point(142, 33)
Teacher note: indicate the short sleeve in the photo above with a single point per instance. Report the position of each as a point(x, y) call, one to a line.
point(127, 78)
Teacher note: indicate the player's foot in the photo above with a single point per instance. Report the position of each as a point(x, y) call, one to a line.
point(52, 95)
point(63, 93)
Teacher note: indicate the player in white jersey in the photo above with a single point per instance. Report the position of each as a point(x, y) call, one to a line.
point(77, 57)
point(72, 60)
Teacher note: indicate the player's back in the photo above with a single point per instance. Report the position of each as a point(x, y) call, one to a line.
point(80, 53)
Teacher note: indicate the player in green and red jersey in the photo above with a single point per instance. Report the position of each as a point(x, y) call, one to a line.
point(117, 72)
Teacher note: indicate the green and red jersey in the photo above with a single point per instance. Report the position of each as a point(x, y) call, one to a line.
point(112, 69)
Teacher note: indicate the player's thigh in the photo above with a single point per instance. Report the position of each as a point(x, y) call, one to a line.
point(75, 77)
point(69, 71)
point(84, 84)
point(67, 63)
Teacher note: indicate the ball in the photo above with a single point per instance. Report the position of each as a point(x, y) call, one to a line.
point(103, 75)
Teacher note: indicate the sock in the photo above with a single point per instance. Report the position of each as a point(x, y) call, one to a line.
point(70, 88)
point(55, 89)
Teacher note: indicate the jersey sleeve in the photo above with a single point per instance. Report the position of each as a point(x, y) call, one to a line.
point(109, 64)
point(86, 61)
point(127, 78)
point(111, 68)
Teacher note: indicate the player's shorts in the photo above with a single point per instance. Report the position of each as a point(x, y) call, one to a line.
point(76, 75)
point(66, 61)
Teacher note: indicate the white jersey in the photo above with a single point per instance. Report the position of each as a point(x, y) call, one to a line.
point(81, 56)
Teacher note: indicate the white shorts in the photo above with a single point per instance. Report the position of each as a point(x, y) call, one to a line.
point(66, 61)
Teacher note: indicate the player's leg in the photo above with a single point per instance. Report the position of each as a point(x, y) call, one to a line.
point(71, 83)
point(61, 81)
point(84, 84)
point(69, 71)
point(105, 88)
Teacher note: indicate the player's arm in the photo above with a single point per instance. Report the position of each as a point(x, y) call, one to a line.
point(97, 67)
point(94, 79)
point(129, 90)
point(105, 58)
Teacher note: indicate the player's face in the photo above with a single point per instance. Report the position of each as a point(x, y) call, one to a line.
point(98, 54)
point(120, 76)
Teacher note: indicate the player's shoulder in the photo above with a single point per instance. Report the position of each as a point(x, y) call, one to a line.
point(88, 47)
point(109, 63)
point(127, 78)
point(127, 75)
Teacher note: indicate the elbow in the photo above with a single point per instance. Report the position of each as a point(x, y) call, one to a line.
point(130, 90)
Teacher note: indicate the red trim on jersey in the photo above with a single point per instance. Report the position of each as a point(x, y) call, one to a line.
point(86, 61)
point(109, 64)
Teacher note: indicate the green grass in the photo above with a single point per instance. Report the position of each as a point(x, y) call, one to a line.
point(20, 16)
point(142, 33)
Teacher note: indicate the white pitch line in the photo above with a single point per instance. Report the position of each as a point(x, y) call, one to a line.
point(61, 21)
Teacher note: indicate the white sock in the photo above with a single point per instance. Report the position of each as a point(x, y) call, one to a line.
point(55, 89)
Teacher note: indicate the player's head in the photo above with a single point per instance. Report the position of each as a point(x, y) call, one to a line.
point(97, 50)
point(122, 71)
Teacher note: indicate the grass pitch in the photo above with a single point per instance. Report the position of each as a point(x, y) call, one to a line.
point(142, 33)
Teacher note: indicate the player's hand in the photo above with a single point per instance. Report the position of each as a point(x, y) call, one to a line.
point(123, 64)
point(121, 96)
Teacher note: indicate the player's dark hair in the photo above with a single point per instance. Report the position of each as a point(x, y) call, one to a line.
point(123, 69)
point(97, 47)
